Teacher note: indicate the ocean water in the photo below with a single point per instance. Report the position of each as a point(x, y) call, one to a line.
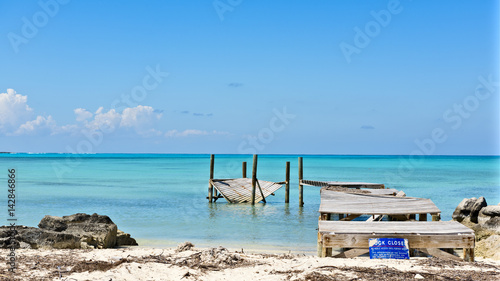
point(160, 199)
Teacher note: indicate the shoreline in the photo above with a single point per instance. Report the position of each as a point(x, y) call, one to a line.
point(232, 246)
point(193, 263)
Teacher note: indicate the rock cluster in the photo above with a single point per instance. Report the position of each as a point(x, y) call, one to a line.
point(485, 221)
point(68, 232)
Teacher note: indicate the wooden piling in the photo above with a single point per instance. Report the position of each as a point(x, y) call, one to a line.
point(287, 184)
point(301, 187)
point(244, 169)
point(254, 177)
point(210, 185)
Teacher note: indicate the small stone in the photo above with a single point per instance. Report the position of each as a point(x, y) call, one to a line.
point(418, 276)
point(186, 246)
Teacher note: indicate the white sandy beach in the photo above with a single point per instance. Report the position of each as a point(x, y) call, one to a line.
point(137, 263)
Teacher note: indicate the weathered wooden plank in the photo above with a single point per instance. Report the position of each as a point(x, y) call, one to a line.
point(327, 193)
point(414, 240)
point(405, 227)
point(341, 202)
point(339, 183)
point(440, 254)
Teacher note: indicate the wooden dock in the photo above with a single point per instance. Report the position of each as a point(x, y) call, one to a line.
point(427, 237)
point(353, 236)
point(330, 184)
point(240, 190)
point(369, 204)
point(245, 190)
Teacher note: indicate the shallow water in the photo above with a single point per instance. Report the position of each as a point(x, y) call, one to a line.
point(161, 198)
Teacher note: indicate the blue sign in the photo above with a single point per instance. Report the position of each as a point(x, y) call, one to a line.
point(389, 248)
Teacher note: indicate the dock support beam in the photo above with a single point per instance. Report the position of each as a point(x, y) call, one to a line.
point(254, 177)
point(287, 184)
point(301, 187)
point(210, 186)
point(244, 169)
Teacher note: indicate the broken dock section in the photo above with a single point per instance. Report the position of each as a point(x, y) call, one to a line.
point(244, 190)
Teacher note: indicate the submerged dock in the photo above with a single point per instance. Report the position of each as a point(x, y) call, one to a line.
point(240, 190)
point(245, 190)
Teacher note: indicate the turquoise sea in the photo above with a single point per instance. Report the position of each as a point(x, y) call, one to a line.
point(160, 199)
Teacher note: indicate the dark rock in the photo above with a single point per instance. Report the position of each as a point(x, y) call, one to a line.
point(53, 223)
point(492, 224)
point(490, 211)
point(69, 232)
point(38, 238)
point(476, 208)
point(124, 239)
point(469, 208)
point(85, 218)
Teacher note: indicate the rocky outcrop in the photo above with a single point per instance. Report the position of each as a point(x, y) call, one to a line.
point(489, 218)
point(485, 221)
point(469, 208)
point(69, 232)
point(124, 239)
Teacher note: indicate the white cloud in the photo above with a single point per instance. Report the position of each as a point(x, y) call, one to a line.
point(139, 117)
point(104, 121)
point(192, 132)
point(14, 111)
point(82, 114)
point(16, 118)
point(39, 126)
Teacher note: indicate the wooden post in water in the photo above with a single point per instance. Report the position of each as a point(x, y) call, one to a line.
point(254, 177)
point(210, 186)
point(301, 187)
point(287, 186)
point(244, 169)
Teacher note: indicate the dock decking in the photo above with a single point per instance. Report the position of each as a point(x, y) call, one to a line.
point(330, 191)
point(342, 184)
point(360, 204)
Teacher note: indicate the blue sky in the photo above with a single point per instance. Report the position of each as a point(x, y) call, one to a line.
point(237, 76)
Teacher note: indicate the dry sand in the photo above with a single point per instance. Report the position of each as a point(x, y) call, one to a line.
point(187, 263)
